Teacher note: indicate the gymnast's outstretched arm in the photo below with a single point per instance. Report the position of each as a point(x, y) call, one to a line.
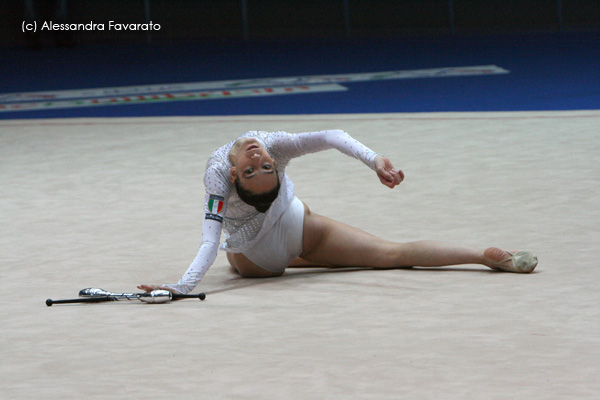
point(295, 145)
point(215, 205)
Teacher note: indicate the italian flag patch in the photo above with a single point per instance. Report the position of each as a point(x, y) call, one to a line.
point(216, 204)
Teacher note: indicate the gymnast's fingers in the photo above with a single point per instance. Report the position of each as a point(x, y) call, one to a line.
point(399, 177)
point(387, 179)
point(148, 288)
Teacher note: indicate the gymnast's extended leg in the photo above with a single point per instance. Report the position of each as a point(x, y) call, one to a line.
point(329, 242)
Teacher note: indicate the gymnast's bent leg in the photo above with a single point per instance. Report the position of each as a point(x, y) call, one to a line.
point(248, 269)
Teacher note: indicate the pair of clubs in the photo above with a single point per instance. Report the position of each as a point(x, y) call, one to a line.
point(95, 295)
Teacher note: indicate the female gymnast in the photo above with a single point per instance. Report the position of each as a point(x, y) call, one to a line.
point(267, 228)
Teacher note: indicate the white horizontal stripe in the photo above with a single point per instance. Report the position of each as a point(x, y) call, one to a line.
point(165, 97)
point(250, 83)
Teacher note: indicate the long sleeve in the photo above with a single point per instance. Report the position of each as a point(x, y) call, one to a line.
point(215, 205)
point(296, 145)
point(211, 232)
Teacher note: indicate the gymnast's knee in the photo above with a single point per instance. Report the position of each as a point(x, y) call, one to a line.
point(263, 273)
point(247, 269)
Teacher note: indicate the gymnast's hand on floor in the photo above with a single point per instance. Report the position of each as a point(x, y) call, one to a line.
point(149, 288)
point(386, 172)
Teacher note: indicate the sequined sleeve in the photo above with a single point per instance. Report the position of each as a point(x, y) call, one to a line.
point(215, 205)
point(296, 145)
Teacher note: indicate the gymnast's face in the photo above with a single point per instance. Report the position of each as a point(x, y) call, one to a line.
point(252, 166)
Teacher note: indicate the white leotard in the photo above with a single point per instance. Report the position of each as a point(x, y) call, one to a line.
point(243, 225)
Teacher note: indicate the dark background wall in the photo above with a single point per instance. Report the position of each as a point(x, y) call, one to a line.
point(292, 19)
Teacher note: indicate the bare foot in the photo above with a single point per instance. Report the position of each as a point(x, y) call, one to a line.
point(493, 256)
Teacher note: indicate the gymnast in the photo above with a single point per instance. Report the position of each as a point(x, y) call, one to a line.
point(267, 228)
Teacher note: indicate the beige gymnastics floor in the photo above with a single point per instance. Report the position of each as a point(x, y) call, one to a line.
point(113, 203)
